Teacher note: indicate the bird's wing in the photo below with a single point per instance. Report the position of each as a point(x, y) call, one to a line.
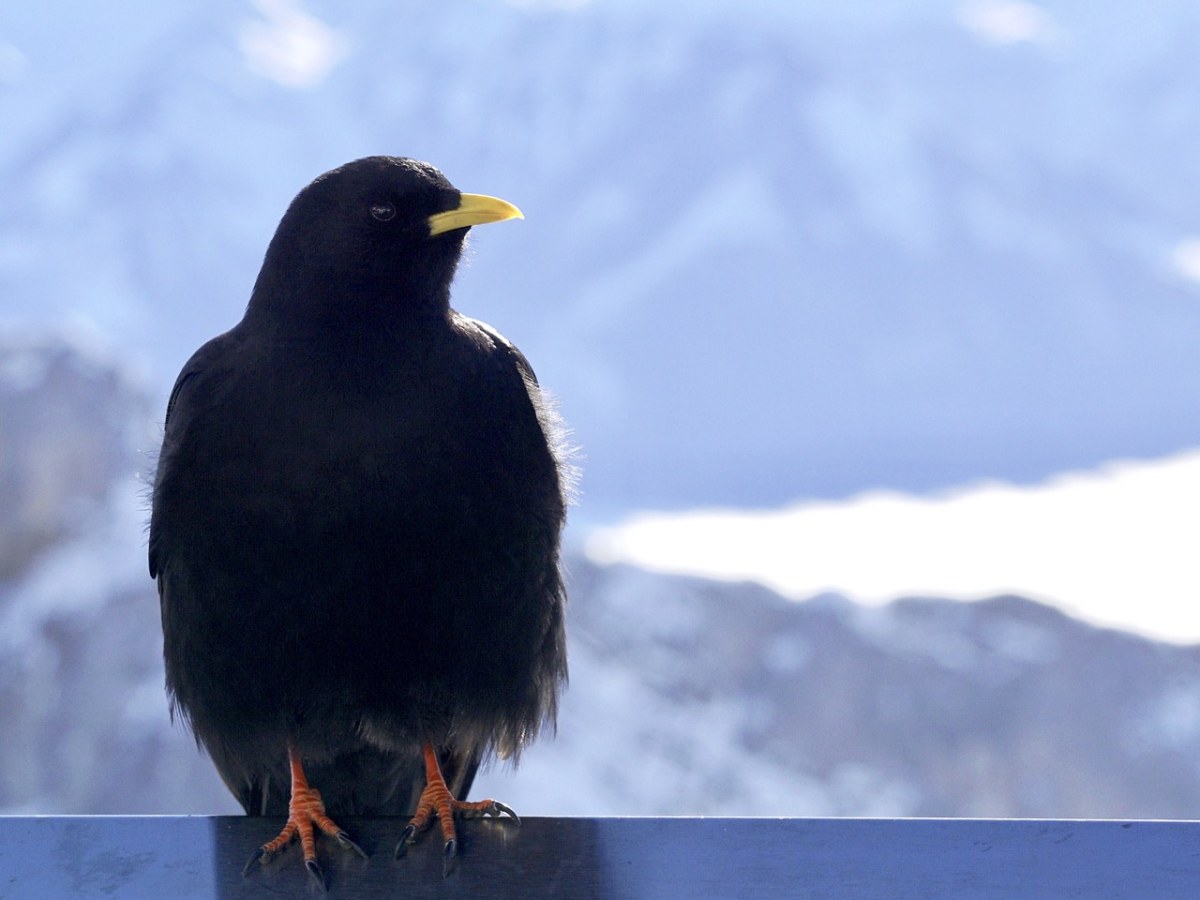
point(506, 347)
point(178, 417)
point(544, 405)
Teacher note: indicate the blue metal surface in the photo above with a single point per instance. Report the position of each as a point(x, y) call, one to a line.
point(198, 857)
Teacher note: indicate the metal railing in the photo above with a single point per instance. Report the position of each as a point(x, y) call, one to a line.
point(179, 858)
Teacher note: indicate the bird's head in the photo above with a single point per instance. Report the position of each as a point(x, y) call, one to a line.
point(380, 235)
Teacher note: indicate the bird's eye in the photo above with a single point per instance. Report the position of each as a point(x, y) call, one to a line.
point(383, 211)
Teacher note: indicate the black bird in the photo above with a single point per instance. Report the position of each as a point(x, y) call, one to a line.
point(356, 521)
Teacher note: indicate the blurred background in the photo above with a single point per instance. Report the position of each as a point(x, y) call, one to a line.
point(877, 324)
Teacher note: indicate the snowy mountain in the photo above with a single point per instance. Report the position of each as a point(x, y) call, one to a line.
point(772, 250)
point(698, 697)
point(686, 696)
point(81, 681)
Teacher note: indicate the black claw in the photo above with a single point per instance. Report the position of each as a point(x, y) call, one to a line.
point(344, 840)
point(406, 837)
point(449, 855)
point(503, 809)
point(314, 869)
point(253, 861)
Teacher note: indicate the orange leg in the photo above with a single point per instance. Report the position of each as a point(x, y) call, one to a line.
point(436, 800)
point(305, 810)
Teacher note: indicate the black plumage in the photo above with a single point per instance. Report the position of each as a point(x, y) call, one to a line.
point(357, 512)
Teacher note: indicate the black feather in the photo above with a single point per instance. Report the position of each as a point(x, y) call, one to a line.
point(357, 513)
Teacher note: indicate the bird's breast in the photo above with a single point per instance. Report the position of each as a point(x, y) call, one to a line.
point(404, 447)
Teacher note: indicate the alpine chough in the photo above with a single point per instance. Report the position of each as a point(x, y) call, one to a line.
point(356, 520)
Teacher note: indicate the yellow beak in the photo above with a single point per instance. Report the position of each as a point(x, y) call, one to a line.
point(473, 209)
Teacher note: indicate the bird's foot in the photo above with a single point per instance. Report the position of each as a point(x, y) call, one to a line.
point(306, 816)
point(437, 801)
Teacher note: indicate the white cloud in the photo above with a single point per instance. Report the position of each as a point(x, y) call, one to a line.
point(289, 45)
point(13, 63)
point(1008, 21)
point(1117, 545)
point(1185, 258)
